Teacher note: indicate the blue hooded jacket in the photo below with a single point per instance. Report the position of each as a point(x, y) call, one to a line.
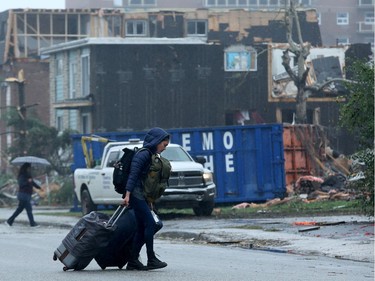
point(142, 160)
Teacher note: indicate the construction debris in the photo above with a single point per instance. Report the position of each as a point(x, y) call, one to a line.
point(341, 172)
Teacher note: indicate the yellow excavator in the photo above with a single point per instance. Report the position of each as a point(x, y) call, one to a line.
point(87, 151)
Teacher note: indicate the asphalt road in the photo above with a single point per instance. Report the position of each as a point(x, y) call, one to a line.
point(26, 254)
point(342, 237)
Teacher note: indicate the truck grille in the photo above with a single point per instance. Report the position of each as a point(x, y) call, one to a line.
point(186, 179)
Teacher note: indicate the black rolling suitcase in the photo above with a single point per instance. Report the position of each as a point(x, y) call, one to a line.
point(117, 252)
point(85, 240)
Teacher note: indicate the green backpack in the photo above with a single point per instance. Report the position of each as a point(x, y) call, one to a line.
point(156, 181)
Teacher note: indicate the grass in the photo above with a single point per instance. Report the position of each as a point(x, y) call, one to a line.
point(294, 208)
point(291, 208)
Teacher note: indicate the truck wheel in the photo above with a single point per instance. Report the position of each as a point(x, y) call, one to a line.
point(204, 208)
point(86, 202)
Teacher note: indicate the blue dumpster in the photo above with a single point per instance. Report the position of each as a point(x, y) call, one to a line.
point(247, 161)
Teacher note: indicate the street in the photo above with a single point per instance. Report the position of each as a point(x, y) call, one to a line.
point(26, 254)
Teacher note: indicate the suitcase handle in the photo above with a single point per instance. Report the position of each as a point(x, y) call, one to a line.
point(116, 215)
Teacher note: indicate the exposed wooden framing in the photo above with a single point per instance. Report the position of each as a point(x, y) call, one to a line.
point(7, 38)
point(279, 115)
point(73, 105)
point(316, 116)
point(25, 35)
point(15, 37)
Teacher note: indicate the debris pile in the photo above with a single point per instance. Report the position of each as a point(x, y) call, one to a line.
point(341, 176)
point(8, 191)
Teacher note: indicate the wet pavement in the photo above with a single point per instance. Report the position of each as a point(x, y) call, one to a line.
point(344, 237)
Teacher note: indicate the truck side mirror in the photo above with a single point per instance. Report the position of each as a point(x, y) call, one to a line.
point(200, 159)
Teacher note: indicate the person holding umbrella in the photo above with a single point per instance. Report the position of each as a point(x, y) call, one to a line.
point(26, 184)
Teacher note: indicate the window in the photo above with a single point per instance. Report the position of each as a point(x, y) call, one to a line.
point(85, 123)
point(72, 79)
point(59, 79)
point(59, 66)
point(142, 2)
point(85, 75)
point(240, 58)
point(305, 2)
point(59, 121)
point(136, 28)
point(369, 17)
point(342, 41)
point(319, 18)
point(366, 2)
point(247, 3)
point(342, 18)
point(197, 28)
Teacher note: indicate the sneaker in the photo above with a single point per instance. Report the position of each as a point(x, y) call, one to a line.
point(155, 263)
point(135, 265)
point(35, 225)
point(7, 224)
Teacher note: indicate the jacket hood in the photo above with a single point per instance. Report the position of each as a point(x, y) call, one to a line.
point(154, 137)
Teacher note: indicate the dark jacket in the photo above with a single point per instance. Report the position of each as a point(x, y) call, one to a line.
point(25, 180)
point(142, 160)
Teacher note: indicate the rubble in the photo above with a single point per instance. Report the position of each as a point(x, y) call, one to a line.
point(8, 191)
point(341, 172)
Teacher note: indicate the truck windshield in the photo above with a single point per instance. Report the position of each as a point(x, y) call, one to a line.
point(175, 154)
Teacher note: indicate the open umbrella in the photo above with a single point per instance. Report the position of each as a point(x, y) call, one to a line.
point(18, 161)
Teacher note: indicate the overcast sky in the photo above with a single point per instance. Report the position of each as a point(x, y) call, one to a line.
point(35, 4)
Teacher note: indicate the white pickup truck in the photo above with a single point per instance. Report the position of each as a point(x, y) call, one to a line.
point(190, 184)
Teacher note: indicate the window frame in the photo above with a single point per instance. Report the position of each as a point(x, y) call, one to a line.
point(341, 20)
point(86, 125)
point(72, 79)
point(143, 3)
point(237, 52)
point(196, 22)
point(305, 2)
point(85, 75)
point(369, 17)
point(134, 24)
point(340, 41)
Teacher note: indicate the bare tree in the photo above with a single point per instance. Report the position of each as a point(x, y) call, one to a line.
point(301, 50)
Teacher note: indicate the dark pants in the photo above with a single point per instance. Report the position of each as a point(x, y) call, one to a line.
point(24, 202)
point(145, 228)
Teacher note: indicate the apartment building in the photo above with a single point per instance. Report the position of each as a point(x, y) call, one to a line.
point(342, 22)
point(230, 40)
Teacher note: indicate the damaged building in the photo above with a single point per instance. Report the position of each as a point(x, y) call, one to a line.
point(107, 70)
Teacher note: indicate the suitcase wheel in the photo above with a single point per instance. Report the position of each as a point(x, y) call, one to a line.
point(54, 257)
point(65, 268)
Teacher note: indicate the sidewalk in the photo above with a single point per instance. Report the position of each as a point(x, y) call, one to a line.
point(344, 237)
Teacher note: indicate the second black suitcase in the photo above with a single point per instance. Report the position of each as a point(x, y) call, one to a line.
point(117, 252)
